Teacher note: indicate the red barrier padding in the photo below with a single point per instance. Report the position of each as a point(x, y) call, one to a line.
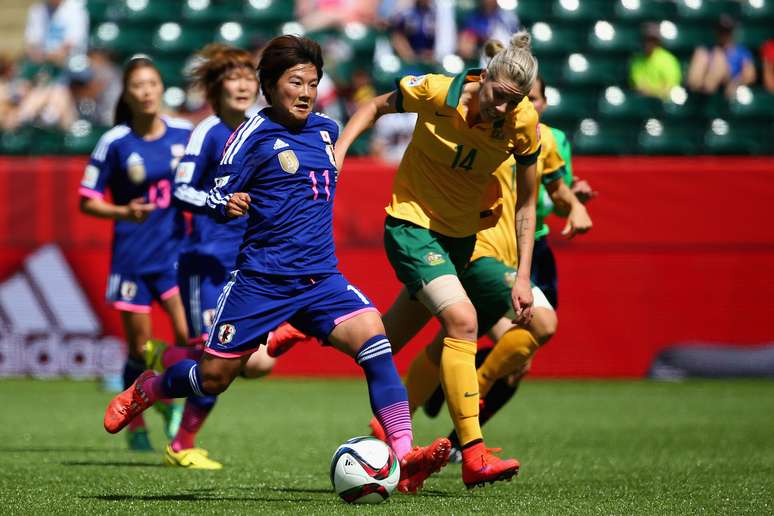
point(682, 250)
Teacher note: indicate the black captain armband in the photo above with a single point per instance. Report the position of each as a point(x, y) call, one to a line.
point(529, 159)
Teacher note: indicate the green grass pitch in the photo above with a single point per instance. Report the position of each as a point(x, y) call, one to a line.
point(586, 448)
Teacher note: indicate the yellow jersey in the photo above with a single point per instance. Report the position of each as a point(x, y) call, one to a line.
point(444, 181)
point(499, 242)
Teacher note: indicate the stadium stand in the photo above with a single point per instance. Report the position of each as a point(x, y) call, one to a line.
point(583, 46)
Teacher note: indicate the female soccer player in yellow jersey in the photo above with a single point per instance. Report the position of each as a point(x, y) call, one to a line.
point(487, 281)
point(467, 126)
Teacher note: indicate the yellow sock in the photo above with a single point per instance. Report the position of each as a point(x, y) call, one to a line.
point(508, 356)
point(458, 377)
point(422, 380)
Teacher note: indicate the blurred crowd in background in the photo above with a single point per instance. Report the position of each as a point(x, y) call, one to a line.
point(640, 65)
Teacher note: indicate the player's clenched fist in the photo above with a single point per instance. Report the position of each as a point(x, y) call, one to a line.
point(138, 210)
point(238, 204)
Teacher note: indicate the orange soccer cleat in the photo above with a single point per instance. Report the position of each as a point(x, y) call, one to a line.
point(128, 404)
point(421, 462)
point(285, 337)
point(480, 465)
point(377, 430)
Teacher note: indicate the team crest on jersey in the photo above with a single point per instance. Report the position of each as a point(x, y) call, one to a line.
point(90, 176)
point(221, 181)
point(434, 259)
point(226, 333)
point(510, 278)
point(135, 168)
point(208, 317)
point(415, 81)
point(128, 290)
point(288, 161)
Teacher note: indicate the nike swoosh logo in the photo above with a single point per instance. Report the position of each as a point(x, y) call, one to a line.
point(442, 115)
point(470, 394)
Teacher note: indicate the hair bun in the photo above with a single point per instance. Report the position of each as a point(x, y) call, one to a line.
point(521, 39)
point(492, 47)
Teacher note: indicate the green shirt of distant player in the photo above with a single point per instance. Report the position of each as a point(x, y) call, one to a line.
point(544, 204)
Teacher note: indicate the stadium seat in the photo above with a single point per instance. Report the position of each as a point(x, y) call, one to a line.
point(580, 69)
point(269, 13)
point(171, 38)
point(723, 137)
point(172, 70)
point(550, 67)
point(593, 137)
point(551, 38)
point(582, 10)
point(608, 36)
point(233, 33)
point(760, 11)
point(148, 12)
point(201, 12)
point(616, 103)
point(124, 41)
point(98, 11)
point(645, 10)
point(570, 103)
point(16, 143)
point(82, 138)
point(658, 136)
point(683, 38)
point(531, 11)
point(707, 10)
point(753, 35)
point(752, 104)
point(361, 38)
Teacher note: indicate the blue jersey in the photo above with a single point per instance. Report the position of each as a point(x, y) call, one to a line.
point(291, 179)
point(131, 168)
point(195, 177)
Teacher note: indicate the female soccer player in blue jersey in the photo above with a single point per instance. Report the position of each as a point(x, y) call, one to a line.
point(279, 169)
point(136, 160)
point(209, 252)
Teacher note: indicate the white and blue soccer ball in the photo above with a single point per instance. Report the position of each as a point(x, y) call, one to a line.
point(364, 470)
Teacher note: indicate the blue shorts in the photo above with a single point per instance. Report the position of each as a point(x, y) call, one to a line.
point(201, 279)
point(252, 305)
point(136, 292)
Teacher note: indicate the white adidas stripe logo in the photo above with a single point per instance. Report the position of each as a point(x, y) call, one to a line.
point(50, 329)
point(279, 144)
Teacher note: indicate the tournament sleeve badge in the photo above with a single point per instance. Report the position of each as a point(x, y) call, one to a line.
point(288, 161)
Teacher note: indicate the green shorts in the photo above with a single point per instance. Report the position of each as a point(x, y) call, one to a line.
point(419, 255)
point(488, 283)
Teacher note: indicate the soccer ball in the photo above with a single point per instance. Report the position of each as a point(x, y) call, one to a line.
point(364, 470)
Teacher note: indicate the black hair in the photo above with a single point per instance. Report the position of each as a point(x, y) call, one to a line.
point(123, 115)
point(284, 52)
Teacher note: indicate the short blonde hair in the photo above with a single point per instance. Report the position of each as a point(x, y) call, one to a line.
point(514, 63)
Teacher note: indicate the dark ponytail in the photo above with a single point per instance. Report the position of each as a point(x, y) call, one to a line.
point(123, 115)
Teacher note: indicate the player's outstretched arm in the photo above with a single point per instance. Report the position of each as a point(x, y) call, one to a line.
point(136, 211)
point(567, 204)
point(526, 188)
point(364, 118)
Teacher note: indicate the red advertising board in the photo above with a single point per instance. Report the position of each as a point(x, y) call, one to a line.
point(682, 250)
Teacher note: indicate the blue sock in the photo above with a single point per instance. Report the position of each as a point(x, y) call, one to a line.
point(133, 368)
point(389, 400)
point(182, 380)
point(206, 402)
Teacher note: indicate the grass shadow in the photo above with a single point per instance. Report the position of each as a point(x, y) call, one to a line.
point(194, 497)
point(53, 449)
point(154, 464)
